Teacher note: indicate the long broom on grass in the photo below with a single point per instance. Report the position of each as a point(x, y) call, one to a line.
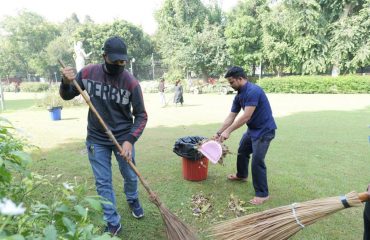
point(175, 228)
point(284, 222)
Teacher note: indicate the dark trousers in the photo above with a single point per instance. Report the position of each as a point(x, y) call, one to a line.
point(258, 148)
point(367, 221)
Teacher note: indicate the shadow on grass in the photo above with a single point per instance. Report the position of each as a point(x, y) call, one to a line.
point(314, 155)
point(173, 105)
point(69, 118)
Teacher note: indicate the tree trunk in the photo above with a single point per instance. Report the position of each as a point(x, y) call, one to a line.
point(280, 71)
point(347, 10)
point(335, 71)
point(253, 70)
point(260, 70)
point(205, 76)
point(2, 102)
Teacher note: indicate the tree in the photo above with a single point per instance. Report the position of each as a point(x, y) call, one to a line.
point(361, 56)
point(177, 22)
point(138, 43)
point(244, 34)
point(69, 25)
point(276, 40)
point(88, 19)
point(333, 10)
point(28, 36)
point(8, 64)
point(206, 53)
point(176, 14)
point(190, 37)
point(308, 30)
point(345, 32)
point(59, 48)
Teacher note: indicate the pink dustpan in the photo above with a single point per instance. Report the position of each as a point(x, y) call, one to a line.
point(211, 150)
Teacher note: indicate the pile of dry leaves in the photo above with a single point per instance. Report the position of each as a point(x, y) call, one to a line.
point(200, 204)
point(237, 206)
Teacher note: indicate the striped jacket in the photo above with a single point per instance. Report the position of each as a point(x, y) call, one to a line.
point(117, 98)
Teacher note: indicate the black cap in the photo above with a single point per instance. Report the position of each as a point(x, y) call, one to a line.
point(116, 49)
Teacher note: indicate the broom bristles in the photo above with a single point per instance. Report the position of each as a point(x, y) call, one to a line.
point(282, 222)
point(175, 228)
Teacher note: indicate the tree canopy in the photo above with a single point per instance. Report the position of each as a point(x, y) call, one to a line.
point(295, 36)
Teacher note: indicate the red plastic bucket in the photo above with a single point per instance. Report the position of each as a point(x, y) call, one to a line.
point(195, 170)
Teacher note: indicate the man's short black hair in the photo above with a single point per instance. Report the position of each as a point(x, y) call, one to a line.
point(235, 72)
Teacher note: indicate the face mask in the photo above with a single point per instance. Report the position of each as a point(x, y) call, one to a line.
point(114, 69)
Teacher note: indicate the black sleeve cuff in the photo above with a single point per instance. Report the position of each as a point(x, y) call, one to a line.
point(131, 139)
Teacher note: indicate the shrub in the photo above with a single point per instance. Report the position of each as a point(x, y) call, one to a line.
point(34, 87)
point(12, 159)
point(8, 87)
point(173, 76)
point(53, 99)
point(316, 84)
point(69, 214)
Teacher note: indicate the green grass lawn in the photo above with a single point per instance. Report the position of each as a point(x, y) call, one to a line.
point(20, 104)
point(314, 155)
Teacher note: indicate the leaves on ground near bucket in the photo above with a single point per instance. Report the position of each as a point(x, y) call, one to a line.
point(201, 204)
point(237, 206)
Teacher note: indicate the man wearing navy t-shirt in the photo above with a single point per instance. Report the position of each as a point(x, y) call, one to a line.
point(367, 217)
point(258, 117)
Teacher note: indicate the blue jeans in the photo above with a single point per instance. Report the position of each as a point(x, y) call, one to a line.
point(258, 148)
point(100, 157)
point(367, 221)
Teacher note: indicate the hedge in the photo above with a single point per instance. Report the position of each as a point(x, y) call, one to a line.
point(34, 86)
point(316, 84)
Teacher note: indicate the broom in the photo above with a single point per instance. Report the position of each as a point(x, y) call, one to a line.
point(284, 222)
point(175, 228)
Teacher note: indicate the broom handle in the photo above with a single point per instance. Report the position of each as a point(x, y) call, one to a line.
point(110, 134)
point(364, 197)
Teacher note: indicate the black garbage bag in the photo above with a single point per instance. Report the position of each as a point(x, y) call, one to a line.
point(186, 147)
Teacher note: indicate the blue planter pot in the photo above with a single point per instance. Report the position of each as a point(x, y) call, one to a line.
point(55, 113)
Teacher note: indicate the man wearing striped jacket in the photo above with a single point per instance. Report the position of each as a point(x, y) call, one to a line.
point(117, 96)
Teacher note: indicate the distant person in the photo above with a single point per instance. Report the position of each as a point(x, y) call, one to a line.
point(117, 96)
point(367, 217)
point(17, 86)
point(161, 89)
point(178, 97)
point(256, 140)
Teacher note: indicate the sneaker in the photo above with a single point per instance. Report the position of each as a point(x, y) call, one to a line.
point(113, 230)
point(136, 209)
